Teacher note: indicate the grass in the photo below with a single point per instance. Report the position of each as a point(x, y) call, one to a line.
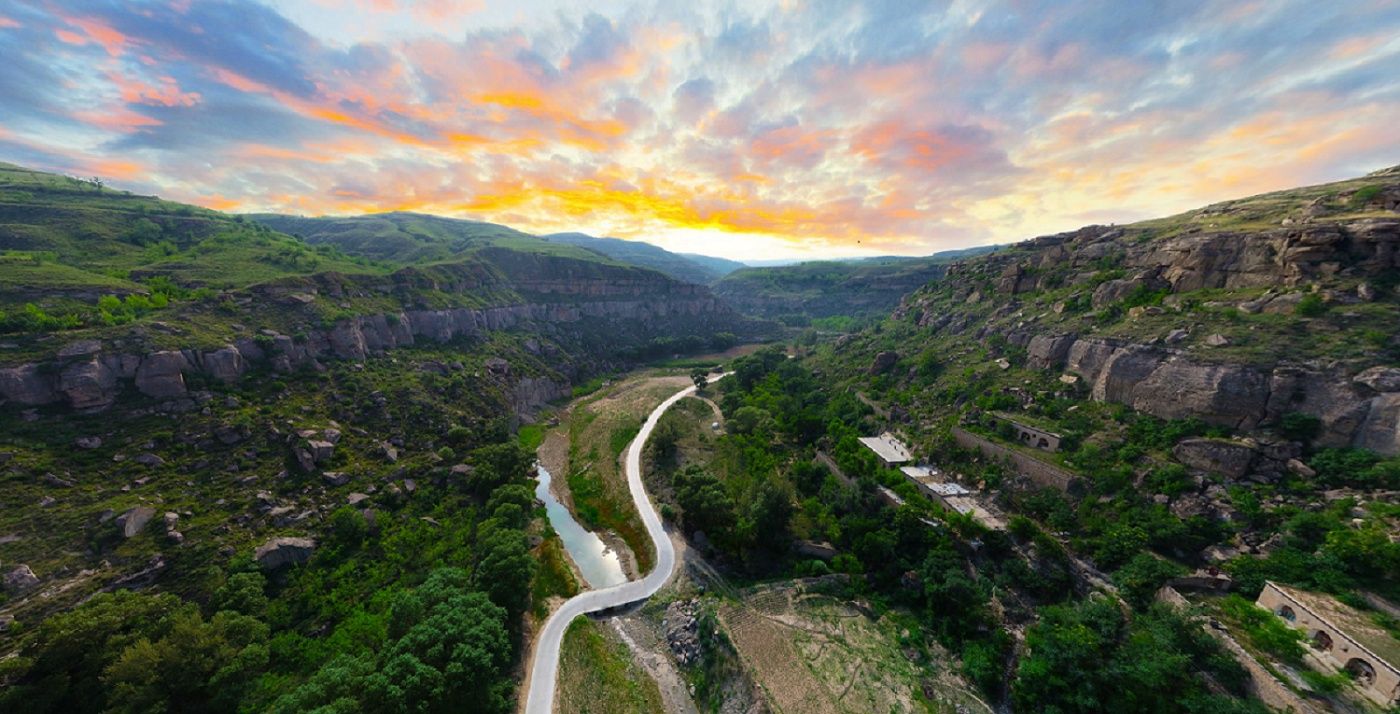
point(598, 676)
point(530, 436)
point(553, 579)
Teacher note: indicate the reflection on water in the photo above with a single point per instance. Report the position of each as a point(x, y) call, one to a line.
point(598, 563)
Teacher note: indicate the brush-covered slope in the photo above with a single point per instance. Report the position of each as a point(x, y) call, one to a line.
point(856, 288)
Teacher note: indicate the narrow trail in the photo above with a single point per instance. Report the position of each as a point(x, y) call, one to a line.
point(544, 665)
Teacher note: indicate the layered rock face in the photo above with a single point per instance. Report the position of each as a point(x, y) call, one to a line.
point(566, 298)
point(1331, 246)
point(1287, 256)
point(1360, 410)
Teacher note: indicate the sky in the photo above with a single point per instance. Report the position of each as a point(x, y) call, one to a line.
point(750, 129)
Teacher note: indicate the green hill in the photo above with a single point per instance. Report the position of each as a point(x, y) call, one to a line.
point(858, 288)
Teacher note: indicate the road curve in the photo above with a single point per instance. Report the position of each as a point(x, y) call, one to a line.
point(544, 669)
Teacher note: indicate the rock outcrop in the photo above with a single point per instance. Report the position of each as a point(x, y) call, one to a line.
point(281, 552)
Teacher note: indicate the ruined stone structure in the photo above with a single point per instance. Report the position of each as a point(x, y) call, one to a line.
point(1031, 436)
point(1039, 472)
point(1340, 639)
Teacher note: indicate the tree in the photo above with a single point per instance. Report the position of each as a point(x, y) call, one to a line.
point(453, 653)
point(197, 666)
point(506, 569)
point(243, 593)
point(705, 502)
point(701, 378)
point(70, 650)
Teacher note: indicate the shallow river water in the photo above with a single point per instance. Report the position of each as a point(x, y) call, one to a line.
point(599, 564)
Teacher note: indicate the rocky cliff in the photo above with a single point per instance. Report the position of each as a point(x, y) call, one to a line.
point(596, 306)
point(1237, 314)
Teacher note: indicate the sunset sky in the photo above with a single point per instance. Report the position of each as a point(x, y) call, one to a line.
point(750, 129)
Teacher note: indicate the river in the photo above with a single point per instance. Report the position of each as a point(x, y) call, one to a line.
point(600, 565)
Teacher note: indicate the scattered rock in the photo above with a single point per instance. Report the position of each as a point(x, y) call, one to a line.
point(134, 521)
point(175, 537)
point(682, 630)
point(1177, 336)
point(883, 362)
point(281, 552)
point(321, 451)
point(20, 580)
point(388, 451)
point(356, 499)
point(49, 479)
point(1217, 340)
point(1301, 469)
point(335, 478)
point(149, 459)
point(88, 442)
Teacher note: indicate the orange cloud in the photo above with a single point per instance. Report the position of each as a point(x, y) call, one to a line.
point(168, 94)
point(7, 22)
point(111, 40)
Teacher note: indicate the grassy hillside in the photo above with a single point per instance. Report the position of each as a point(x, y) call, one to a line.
point(408, 238)
point(60, 234)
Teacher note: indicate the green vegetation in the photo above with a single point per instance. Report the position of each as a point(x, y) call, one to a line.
point(597, 675)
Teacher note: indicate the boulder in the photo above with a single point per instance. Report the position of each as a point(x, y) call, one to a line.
point(134, 521)
point(335, 478)
point(88, 442)
point(20, 580)
point(225, 364)
point(1048, 351)
point(149, 460)
point(883, 362)
point(281, 552)
point(27, 384)
point(1380, 379)
point(1228, 458)
point(88, 384)
point(321, 451)
point(161, 375)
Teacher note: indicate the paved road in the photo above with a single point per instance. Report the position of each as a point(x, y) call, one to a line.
point(544, 670)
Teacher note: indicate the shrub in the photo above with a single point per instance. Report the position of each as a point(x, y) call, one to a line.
point(1310, 306)
point(1297, 426)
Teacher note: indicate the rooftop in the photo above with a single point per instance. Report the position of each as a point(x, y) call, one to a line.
point(1354, 623)
point(888, 448)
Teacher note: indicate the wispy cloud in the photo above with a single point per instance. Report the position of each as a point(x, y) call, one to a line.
point(819, 125)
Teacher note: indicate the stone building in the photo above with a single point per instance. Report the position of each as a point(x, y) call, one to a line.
point(1340, 638)
point(1031, 436)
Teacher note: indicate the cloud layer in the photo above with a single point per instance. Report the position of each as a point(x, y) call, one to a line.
point(752, 129)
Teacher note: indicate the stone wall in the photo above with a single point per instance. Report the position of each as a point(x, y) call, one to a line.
point(1039, 472)
point(1260, 683)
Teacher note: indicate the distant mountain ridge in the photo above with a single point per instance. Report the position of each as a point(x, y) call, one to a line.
point(858, 287)
point(405, 238)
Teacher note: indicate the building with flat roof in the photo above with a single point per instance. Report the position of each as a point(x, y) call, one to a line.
point(950, 494)
point(1340, 638)
point(891, 451)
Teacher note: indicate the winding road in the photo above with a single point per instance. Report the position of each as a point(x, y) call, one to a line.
point(544, 668)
